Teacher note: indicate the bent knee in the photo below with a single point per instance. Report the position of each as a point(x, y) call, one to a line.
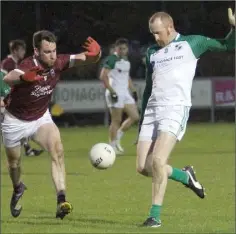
point(56, 150)
point(142, 170)
point(135, 118)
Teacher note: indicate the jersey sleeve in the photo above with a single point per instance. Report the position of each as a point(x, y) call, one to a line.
point(25, 65)
point(4, 88)
point(148, 88)
point(64, 61)
point(8, 65)
point(110, 62)
point(202, 44)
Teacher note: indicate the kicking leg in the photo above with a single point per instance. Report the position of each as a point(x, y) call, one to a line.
point(48, 137)
point(133, 116)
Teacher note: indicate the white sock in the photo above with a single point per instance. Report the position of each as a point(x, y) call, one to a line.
point(119, 134)
point(113, 143)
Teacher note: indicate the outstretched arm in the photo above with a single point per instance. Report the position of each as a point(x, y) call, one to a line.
point(201, 44)
point(92, 54)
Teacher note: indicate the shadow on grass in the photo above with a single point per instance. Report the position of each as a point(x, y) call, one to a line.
point(48, 220)
point(46, 174)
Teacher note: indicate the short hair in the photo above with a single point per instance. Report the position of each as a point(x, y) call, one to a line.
point(39, 36)
point(15, 44)
point(121, 41)
point(162, 16)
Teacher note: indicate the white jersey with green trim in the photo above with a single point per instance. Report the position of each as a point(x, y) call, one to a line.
point(119, 73)
point(173, 72)
point(170, 70)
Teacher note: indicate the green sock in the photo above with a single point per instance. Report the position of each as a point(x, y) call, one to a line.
point(179, 175)
point(155, 212)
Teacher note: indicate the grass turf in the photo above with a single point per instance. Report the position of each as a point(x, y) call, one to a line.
point(118, 200)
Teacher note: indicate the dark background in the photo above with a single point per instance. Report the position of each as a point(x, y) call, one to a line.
point(73, 22)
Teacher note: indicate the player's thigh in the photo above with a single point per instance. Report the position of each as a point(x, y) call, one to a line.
point(163, 146)
point(132, 111)
point(146, 140)
point(144, 154)
point(49, 138)
point(116, 114)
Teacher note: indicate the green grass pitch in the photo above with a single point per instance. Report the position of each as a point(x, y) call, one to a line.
point(118, 200)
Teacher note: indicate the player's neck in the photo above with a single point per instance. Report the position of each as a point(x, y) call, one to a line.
point(15, 58)
point(172, 36)
point(119, 56)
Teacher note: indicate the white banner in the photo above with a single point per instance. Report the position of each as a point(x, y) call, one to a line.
point(202, 93)
point(88, 96)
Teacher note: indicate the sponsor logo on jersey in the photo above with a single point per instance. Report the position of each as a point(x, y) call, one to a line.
point(41, 90)
point(178, 47)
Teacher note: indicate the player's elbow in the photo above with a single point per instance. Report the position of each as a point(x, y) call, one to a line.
point(8, 79)
point(12, 78)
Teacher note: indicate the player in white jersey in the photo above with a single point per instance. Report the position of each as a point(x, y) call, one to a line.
point(121, 95)
point(170, 69)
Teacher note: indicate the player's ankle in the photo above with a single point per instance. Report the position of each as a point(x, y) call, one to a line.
point(17, 187)
point(61, 197)
point(155, 211)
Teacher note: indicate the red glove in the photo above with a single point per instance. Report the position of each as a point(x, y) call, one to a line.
point(34, 74)
point(92, 47)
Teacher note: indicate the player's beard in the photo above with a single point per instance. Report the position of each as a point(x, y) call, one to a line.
point(46, 65)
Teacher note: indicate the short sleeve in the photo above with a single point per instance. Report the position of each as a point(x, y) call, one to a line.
point(26, 65)
point(63, 61)
point(110, 62)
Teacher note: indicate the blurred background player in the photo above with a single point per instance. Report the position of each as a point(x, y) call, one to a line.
point(121, 95)
point(171, 65)
point(17, 50)
point(4, 90)
point(27, 114)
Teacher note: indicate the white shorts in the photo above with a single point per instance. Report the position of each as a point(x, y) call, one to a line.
point(15, 131)
point(123, 99)
point(171, 119)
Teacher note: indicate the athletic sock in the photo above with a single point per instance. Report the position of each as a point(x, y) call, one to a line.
point(155, 212)
point(179, 175)
point(61, 197)
point(113, 143)
point(17, 188)
point(27, 146)
point(119, 134)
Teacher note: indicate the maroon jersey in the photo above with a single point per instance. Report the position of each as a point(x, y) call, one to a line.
point(8, 64)
point(30, 100)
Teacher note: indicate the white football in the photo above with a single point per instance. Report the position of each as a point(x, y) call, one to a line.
point(102, 156)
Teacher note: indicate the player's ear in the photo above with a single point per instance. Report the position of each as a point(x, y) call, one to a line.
point(36, 51)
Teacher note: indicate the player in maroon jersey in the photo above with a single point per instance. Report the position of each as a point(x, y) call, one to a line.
point(27, 114)
point(17, 50)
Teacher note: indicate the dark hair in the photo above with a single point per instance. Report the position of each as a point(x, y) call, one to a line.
point(121, 41)
point(15, 44)
point(39, 36)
